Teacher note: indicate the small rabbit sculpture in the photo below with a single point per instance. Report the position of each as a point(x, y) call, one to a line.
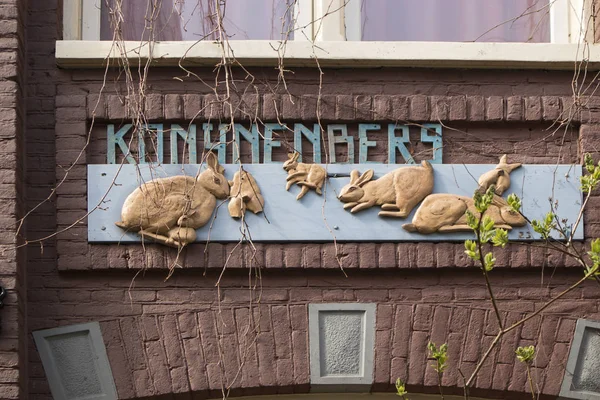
point(308, 176)
point(397, 192)
point(499, 176)
point(245, 195)
point(442, 212)
point(169, 210)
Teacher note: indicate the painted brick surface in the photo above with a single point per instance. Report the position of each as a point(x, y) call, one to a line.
point(184, 335)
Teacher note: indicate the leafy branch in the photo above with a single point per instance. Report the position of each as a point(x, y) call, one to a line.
point(440, 355)
point(486, 233)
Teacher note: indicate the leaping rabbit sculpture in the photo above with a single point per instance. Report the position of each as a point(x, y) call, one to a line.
point(308, 176)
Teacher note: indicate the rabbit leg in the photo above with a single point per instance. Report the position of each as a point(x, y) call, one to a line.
point(295, 175)
point(308, 184)
point(410, 228)
point(236, 207)
point(158, 238)
point(256, 204)
point(291, 182)
point(389, 207)
point(503, 226)
point(302, 192)
point(180, 236)
point(363, 206)
point(395, 214)
point(319, 185)
point(184, 219)
point(350, 205)
point(455, 228)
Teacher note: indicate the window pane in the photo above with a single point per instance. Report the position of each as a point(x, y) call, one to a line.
point(198, 19)
point(456, 20)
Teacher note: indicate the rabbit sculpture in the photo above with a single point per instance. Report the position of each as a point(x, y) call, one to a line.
point(499, 176)
point(169, 210)
point(308, 176)
point(397, 192)
point(442, 212)
point(245, 195)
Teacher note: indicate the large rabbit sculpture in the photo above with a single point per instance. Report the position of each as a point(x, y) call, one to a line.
point(442, 212)
point(169, 210)
point(308, 176)
point(397, 192)
point(245, 195)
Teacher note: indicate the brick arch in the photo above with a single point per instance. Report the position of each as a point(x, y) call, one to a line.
point(158, 354)
point(327, 396)
point(177, 353)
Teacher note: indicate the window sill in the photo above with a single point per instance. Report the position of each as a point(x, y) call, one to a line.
point(94, 54)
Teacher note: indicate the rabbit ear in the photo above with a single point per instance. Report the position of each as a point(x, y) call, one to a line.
point(354, 176)
point(511, 167)
point(296, 155)
point(366, 177)
point(291, 156)
point(506, 166)
point(212, 162)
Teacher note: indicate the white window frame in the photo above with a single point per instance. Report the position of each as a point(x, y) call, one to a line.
point(82, 20)
point(334, 37)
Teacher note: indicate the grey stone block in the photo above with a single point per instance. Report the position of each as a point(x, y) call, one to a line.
point(75, 362)
point(341, 346)
point(582, 375)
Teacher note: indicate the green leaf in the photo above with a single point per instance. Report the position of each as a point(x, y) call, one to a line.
point(489, 261)
point(439, 355)
point(482, 201)
point(589, 163)
point(472, 221)
point(400, 388)
point(595, 246)
point(591, 180)
point(514, 202)
point(487, 223)
point(500, 237)
point(525, 354)
point(545, 227)
point(471, 250)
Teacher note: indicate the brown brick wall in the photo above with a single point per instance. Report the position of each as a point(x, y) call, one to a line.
point(489, 114)
point(166, 337)
point(13, 319)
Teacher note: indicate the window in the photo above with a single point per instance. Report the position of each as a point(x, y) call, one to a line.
point(537, 21)
point(369, 33)
point(198, 19)
point(452, 20)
